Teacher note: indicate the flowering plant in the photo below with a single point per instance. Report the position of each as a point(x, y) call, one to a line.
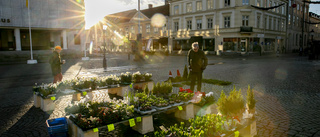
point(147, 76)
point(126, 78)
point(137, 77)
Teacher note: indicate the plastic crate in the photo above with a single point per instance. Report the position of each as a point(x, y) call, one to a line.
point(57, 127)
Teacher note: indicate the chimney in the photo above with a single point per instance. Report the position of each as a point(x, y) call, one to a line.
point(150, 6)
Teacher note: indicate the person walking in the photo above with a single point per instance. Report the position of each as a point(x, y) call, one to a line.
point(55, 62)
point(197, 64)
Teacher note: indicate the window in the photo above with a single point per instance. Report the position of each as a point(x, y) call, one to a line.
point(270, 3)
point(199, 5)
point(293, 20)
point(278, 25)
point(227, 22)
point(258, 3)
point(164, 28)
point(132, 29)
point(155, 30)
point(270, 23)
point(140, 30)
point(226, 3)
point(189, 7)
point(148, 28)
point(265, 23)
point(189, 25)
point(298, 6)
point(258, 22)
point(245, 2)
point(176, 26)
point(176, 10)
point(274, 4)
point(127, 31)
point(77, 40)
point(289, 3)
point(274, 24)
point(297, 21)
point(282, 25)
point(209, 4)
point(199, 24)
point(245, 20)
point(210, 23)
point(289, 18)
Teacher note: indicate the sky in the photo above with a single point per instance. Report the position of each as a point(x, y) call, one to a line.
point(315, 8)
point(97, 9)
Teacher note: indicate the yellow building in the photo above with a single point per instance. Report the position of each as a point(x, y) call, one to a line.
point(129, 24)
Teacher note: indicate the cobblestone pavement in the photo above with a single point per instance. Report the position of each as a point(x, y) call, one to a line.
point(286, 87)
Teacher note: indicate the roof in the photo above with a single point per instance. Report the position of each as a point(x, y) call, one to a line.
point(125, 16)
point(121, 17)
point(161, 9)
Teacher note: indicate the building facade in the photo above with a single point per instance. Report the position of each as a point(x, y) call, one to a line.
point(298, 12)
point(228, 25)
point(53, 22)
point(314, 27)
point(129, 24)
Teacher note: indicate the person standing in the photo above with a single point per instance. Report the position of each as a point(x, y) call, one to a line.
point(55, 62)
point(197, 64)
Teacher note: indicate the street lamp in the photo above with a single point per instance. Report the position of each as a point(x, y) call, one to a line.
point(104, 61)
point(312, 48)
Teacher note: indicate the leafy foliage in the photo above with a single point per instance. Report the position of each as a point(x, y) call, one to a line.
point(250, 98)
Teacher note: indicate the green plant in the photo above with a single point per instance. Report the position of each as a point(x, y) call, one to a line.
point(222, 104)
point(147, 77)
point(72, 109)
point(251, 102)
point(137, 77)
point(47, 89)
point(231, 105)
point(146, 90)
point(126, 78)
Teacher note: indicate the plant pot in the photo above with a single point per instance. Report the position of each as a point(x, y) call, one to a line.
point(186, 113)
point(47, 104)
point(141, 85)
point(78, 132)
point(250, 129)
point(145, 126)
point(76, 96)
point(36, 100)
point(251, 111)
point(124, 90)
point(114, 90)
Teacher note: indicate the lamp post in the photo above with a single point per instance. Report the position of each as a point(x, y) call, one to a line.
point(104, 61)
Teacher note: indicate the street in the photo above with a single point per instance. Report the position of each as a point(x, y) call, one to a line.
point(286, 88)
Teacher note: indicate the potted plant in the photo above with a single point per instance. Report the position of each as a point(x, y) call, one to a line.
point(231, 106)
point(126, 78)
point(147, 76)
point(251, 102)
point(137, 77)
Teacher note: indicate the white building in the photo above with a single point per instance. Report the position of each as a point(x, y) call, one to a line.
point(234, 24)
point(53, 22)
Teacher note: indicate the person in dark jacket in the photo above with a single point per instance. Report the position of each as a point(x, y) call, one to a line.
point(197, 64)
point(55, 62)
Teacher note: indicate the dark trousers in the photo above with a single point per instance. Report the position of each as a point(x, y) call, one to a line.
point(57, 78)
point(196, 76)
